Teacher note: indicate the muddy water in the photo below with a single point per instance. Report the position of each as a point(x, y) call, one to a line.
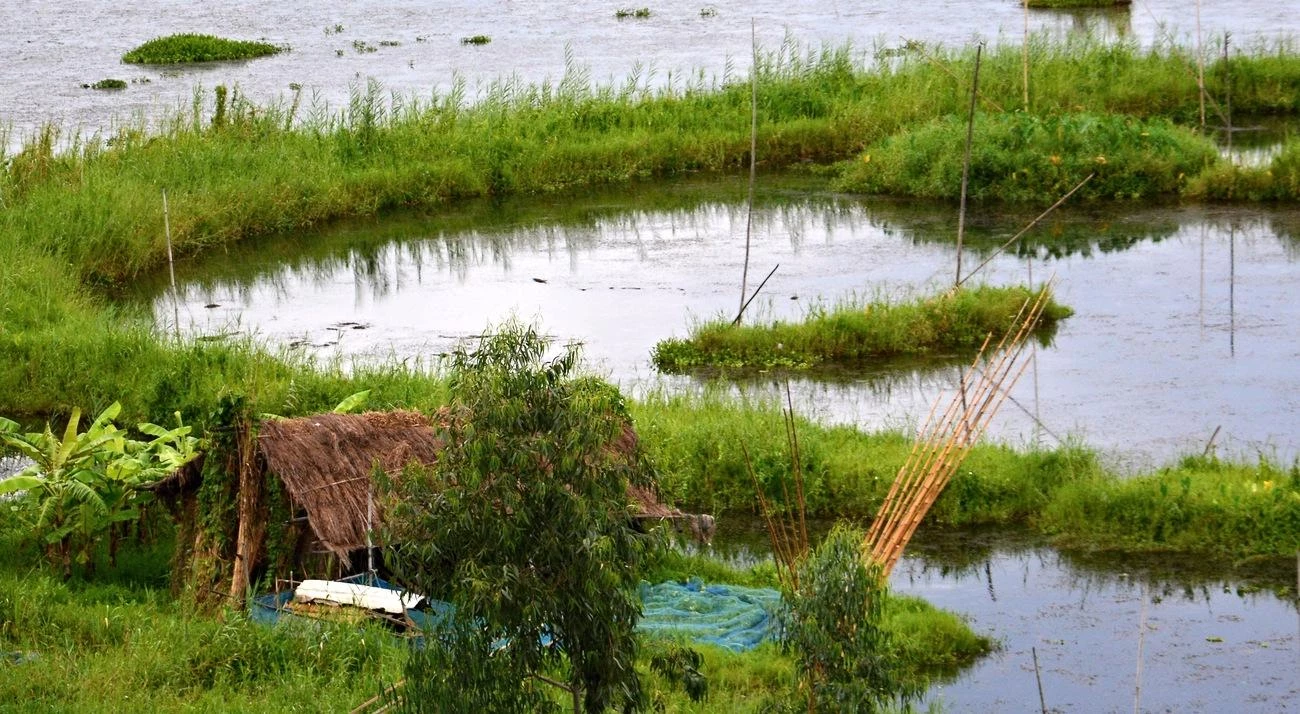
point(1185, 316)
point(52, 48)
point(1211, 643)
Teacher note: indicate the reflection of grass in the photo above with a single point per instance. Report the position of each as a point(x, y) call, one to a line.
point(176, 49)
point(851, 334)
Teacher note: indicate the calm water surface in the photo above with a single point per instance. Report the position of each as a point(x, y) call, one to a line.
point(1184, 316)
point(51, 48)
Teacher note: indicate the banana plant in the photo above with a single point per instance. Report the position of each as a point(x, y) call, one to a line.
point(84, 483)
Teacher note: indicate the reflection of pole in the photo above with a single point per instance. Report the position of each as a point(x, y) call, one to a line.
point(1142, 630)
point(1232, 291)
point(1201, 309)
point(1033, 362)
point(171, 267)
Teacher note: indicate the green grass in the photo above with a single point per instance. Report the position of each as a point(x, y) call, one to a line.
point(1078, 3)
point(106, 84)
point(1279, 181)
point(853, 334)
point(1229, 511)
point(189, 47)
point(1026, 158)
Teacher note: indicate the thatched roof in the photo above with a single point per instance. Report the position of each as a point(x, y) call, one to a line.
point(327, 463)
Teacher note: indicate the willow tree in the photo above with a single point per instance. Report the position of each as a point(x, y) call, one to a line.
point(525, 525)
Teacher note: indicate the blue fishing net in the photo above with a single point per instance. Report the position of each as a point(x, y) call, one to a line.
point(731, 616)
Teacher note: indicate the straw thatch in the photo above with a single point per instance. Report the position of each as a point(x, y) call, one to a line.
point(327, 463)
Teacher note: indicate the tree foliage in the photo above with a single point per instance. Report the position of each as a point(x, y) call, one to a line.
point(834, 629)
point(525, 522)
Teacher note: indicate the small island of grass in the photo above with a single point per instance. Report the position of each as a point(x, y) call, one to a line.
point(185, 48)
point(852, 334)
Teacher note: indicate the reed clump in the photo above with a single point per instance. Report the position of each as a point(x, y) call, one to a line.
point(852, 335)
point(1027, 158)
point(192, 47)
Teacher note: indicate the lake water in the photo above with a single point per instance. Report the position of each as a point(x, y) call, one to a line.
point(1184, 316)
point(52, 48)
point(1211, 643)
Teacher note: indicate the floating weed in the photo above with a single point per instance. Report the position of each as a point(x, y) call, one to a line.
point(336, 29)
point(184, 48)
point(475, 40)
point(390, 43)
point(638, 14)
point(106, 84)
point(709, 12)
point(363, 47)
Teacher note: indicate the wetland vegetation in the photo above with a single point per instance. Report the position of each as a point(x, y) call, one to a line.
point(191, 47)
point(85, 218)
point(852, 334)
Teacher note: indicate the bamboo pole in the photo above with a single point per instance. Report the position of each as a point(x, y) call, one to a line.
point(1200, 65)
point(171, 267)
point(753, 164)
point(965, 167)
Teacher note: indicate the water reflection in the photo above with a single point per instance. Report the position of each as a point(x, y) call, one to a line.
point(1180, 325)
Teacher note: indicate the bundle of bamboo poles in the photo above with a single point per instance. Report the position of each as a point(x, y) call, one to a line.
point(946, 438)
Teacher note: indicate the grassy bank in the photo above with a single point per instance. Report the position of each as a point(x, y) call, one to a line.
point(1214, 508)
point(122, 643)
point(853, 334)
point(1026, 158)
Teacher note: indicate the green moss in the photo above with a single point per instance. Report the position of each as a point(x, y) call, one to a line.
point(182, 48)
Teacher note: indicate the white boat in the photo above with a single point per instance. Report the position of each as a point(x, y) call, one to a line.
point(393, 602)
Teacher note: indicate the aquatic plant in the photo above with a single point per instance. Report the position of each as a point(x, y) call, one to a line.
point(637, 13)
point(475, 40)
point(1077, 3)
point(852, 334)
point(1027, 158)
point(106, 84)
point(183, 48)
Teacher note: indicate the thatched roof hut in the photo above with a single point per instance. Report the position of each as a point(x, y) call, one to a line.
point(326, 464)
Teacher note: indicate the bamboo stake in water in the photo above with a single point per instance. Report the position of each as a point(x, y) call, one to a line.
point(171, 267)
point(1200, 65)
point(1024, 55)
point(1042, 701)
point(753, 164)
point(1227, 91)
point(965, 167)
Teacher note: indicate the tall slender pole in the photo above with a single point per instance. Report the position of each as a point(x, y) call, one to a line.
point(753, 163)
point(1227, 91)
point(1042, 700)
point(965, 167)
point(1200, 66)
point(171, 267)
point(1024, 55)
point(370, 526)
